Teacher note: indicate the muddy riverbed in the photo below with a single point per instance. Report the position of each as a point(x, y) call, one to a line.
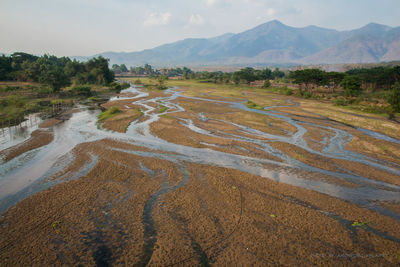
point(181, 180)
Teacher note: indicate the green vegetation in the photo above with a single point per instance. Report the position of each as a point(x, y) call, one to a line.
point(111, 112)
point(161, 82)
point(253, 105)
point(117, 87)
point(162, 109)
point(351, 85)
point(56, 226)
point(340, 102)
point(166, 116)
point(81, 90)
point(46, 83)
point(117, 69)
point(288, 91)
point(267, 84)
point(14, 107)
point(360, 89)
point(54, 72)
point(359, 224)
point(394, 98)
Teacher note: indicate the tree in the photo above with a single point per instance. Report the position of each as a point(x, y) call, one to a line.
point(278, 73)
point(148, 69)
point(161, 82)
point(266, 74)
point(98, 68)
point(309, 77)
point(5, 67)
point(335, 78)
point(54, 76)
point(351, 85)
point(246, 74)
point(72, 68)
point(123, 68)
point(394, 98)
point(267, 84)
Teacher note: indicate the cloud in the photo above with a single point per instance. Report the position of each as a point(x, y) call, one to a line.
point(158, 19)
point(271, 12)
point(211, 2)
point(196, 19)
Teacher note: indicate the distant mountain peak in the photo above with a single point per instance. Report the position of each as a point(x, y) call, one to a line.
point(275, 21)
point(376, 27)
point(274, 43)
point(374, 24)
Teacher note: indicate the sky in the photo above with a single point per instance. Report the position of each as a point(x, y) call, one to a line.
point(89, 27)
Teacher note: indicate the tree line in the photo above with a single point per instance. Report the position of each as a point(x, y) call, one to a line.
point(353, 81)
point(56, 72)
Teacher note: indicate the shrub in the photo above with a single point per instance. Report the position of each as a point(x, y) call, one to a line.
point(339, 102)
point(45, 90)
point(267, 84)
point(394, 97)
point(253, 105)
point(125, 85)
point(82, 90)
point(288, 91)
point(307, 94)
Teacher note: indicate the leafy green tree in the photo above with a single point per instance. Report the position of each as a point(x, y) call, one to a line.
point(352, 85)
point(31, 70)
point(82, 90)
point(394, 97)
point(98, 69)
point(247, 74)
point(161, 82)
point(267, 84)
point(123, 68)
point(335, 78)
point(72, 68)
point(309, 77)
point(148, 69)
point(5, 67)
point(266, 74)
point(54, 76)
point(278, 73)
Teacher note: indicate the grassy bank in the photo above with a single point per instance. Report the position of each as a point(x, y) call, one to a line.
point(18, 99)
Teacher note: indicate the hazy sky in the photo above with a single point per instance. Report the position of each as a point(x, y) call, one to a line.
point(87, 27)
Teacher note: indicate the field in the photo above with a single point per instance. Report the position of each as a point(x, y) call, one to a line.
point(205, 174)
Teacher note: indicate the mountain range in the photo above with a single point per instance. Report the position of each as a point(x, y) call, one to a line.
point(274, 43)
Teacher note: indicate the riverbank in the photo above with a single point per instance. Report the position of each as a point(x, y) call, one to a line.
point(201, 178)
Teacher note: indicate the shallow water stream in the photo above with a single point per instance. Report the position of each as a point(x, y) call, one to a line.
point(23, 176)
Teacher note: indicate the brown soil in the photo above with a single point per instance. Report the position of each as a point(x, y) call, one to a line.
point(221, 217)
point(222, 111)
point(335, 164)
point(141, 211)
point(375, 148)
point(121, 121)
point(169, 129)
point(38, 138)
point(49, 123)
point(391, 205)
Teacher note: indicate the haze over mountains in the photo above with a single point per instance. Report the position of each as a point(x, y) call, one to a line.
point(274, 43)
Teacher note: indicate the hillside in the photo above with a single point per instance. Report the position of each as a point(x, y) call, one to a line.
point(274, 43)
